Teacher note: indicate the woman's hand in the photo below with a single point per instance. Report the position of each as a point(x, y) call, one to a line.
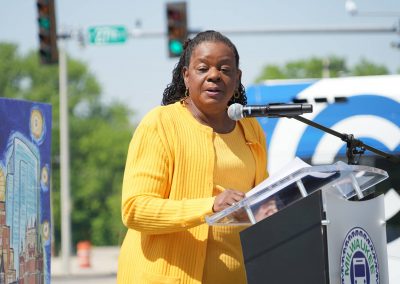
point(227, 198)
point(267, 209)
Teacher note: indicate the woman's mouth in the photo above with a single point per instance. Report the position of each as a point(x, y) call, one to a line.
point(213, 92)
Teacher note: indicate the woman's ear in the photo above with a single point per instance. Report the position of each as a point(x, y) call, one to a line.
point(185, 75)
point(239, 76)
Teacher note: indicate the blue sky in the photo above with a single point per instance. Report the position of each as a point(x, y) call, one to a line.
point(137, 72)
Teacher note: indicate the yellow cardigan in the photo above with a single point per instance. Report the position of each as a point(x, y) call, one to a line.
point(167, 192)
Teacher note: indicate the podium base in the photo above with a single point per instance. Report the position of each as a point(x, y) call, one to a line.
point(288, 247)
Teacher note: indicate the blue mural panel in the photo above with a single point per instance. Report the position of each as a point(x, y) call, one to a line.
point(25, 151)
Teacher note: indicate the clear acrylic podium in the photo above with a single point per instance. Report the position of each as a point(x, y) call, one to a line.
point(317, 235)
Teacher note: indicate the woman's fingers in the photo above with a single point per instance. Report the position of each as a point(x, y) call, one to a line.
point(227, 198)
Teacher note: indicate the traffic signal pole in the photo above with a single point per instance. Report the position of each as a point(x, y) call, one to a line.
point(138, 33)
point(372, 29)
point(50, 54)
point(64, 159)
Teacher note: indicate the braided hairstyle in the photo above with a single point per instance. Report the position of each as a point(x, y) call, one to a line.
point(175, 91)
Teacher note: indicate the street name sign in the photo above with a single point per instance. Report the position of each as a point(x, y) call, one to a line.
point(101, 35)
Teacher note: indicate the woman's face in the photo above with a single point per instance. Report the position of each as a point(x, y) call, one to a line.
point(212, 76)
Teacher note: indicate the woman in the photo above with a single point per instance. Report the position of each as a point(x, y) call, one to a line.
point(187, 160)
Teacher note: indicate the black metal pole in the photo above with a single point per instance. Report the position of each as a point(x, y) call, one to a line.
point(352, 143)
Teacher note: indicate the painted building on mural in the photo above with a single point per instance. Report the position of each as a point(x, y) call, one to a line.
point(7, 268)
point(22, 192)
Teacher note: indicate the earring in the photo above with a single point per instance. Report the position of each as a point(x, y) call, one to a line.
point(236, 95)
point(185, 96)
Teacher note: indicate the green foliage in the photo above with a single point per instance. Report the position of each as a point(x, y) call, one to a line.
point(314, 67)
point(271, 72)
point(99, 137)
point(365, 67)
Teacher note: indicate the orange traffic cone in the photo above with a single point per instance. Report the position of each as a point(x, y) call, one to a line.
point(83, 252)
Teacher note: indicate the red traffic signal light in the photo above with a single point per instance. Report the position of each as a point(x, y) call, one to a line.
point(177, 27)
point(47, 32)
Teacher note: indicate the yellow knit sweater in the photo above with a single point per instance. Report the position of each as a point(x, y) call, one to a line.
point(167, 192)
point(224, 260)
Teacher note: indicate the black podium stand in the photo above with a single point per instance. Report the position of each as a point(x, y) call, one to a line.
point(288, 247)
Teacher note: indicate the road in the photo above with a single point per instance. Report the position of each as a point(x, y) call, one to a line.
point(102, 270)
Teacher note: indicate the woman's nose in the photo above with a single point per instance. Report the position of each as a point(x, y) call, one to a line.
point(214, 75)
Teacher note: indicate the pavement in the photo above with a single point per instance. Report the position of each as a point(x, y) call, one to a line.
point(104, 263)
point(102, 270)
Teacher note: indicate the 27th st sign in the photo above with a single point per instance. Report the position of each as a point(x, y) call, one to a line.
point(101, 35)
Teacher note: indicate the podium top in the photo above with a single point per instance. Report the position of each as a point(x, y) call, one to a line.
point(277, 193)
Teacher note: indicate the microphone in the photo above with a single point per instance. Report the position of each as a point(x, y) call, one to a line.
point(238, 111)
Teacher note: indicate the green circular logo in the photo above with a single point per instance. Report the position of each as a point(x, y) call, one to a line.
point(359, 261)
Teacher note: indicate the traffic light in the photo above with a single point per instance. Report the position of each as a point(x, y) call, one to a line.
point(47, 32)
point(177, 27)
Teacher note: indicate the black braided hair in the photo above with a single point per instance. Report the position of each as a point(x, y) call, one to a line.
point(175, 91)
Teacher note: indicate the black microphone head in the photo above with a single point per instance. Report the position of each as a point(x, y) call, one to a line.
point(235, 111)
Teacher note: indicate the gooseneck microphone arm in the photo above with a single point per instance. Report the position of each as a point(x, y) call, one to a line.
point(354, 146)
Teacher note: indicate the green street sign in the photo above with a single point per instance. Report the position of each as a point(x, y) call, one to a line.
point(107, 35)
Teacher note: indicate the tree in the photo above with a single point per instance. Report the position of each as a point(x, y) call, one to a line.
point(315, 67)
point(365, 67)
point(99, 137)
point(305, 68)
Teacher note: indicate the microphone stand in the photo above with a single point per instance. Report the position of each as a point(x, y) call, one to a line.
point(354, 146)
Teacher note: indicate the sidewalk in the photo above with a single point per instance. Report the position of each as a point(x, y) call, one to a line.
point(104, 260)
point(102, 270)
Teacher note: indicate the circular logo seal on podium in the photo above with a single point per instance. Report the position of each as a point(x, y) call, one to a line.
point(359, 262)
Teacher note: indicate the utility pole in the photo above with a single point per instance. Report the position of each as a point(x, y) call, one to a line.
point(51, 54)
point(64, 158)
